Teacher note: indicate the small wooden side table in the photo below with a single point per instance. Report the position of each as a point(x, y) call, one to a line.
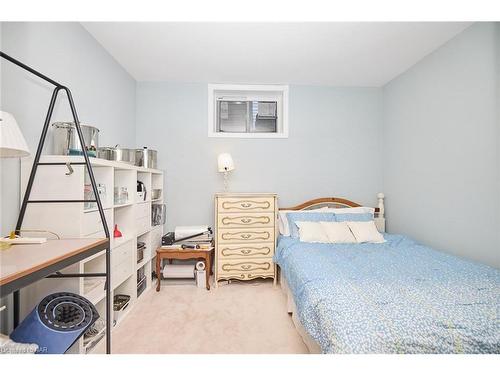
point(177, 252)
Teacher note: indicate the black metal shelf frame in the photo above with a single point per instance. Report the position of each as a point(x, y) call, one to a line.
point(57, 89)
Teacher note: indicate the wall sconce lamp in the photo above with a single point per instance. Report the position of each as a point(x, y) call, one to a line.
point(226, 164)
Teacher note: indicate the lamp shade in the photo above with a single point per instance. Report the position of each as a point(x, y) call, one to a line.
point(225, 162)
point(12, 142)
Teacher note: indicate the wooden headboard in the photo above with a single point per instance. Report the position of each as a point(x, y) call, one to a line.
point(342, 203)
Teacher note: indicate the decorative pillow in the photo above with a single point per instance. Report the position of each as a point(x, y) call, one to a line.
point(313, 216)
point(311, 232)
point(354, 217)
point(283, 225)
point(365, 231)
point(337, 232)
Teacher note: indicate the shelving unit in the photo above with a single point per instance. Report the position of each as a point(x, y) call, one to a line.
point(73, 220)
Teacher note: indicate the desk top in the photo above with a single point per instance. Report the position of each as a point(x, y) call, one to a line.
point(19, 261)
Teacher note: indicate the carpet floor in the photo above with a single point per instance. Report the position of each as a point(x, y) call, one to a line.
point(236, 318)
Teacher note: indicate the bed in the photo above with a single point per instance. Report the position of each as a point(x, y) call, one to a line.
point(394, 297)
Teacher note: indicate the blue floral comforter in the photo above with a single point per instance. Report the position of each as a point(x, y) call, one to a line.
point(395, 297)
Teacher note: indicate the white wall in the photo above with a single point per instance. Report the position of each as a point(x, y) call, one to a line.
point(104, 93)
point(441, 137)
point(333, 148)
point(440, 134)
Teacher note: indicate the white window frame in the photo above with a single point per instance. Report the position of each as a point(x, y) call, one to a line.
point(282, 120)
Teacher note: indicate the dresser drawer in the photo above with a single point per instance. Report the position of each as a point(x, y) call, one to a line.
point(243, 220)
point(231, 251)
point(257, 265)
point(245, 235)
point(122, 253)
point(92, 222)
point(244, 275)
point(245, 204)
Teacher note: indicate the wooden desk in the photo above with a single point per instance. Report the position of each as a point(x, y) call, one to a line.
point(21, 265)
point(184, 254)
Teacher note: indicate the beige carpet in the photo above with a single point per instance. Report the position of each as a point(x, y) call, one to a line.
point(243, 318)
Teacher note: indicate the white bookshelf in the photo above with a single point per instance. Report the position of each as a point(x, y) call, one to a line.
point(74, 220)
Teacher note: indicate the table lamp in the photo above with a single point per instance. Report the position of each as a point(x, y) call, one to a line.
point(12, 142)
point(226, 164)
point(12, 145)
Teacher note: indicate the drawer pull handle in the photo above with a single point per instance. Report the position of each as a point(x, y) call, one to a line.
point(246, 266)
point(246, 235)
point(247, 204)
point(227, 252)
point(245, 220)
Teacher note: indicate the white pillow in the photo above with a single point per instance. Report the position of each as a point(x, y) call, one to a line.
point(338, 232)
point(310, 231)
point(352, 210)
point(283, 226)
point(365, 231)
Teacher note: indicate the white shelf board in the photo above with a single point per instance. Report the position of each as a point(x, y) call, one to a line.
point(98, 163)
point(142, 264)
point(149, 170)
point(97, 293)
point(97, 338)
point(144, 292)
point(95, 209)
point(144, 232)
point(123, 205)
point(118, 241)
point(124, 315)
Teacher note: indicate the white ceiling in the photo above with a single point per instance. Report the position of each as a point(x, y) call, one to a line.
point(338, 54)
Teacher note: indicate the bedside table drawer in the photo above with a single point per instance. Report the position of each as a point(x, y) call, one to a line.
point(254, 266)
point(243, 204)
point(246, 251)
point(245, 235)
point(242, 220)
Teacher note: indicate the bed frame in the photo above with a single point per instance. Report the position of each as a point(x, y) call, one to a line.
point(310, 205)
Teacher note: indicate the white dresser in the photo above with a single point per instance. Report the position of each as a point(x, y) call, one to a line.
point(245, 236)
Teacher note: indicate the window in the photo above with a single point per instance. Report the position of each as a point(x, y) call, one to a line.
point(248, 111)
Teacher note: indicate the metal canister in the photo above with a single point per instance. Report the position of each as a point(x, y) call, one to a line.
point(66, 141)
point(125, 155)
point(146, 158)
